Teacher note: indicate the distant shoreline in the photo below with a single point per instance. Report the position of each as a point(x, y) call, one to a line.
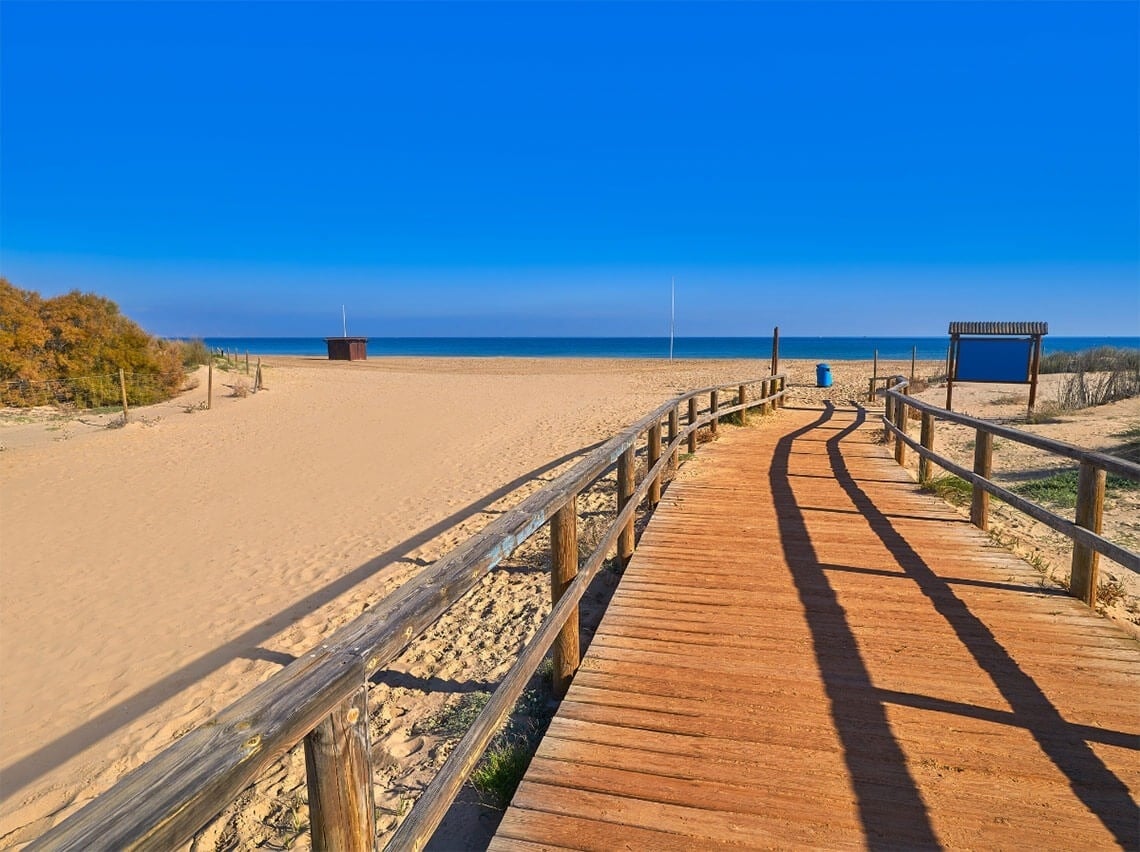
point(684, 348)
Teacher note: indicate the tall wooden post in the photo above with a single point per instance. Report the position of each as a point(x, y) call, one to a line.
point(927, 444)
point(653, 454)
point(625, 493)
point(674, 428)
point(775, 350)
point(1034, 368)
point(338, 766)
point(563, 570)
point(713, 399)
point(874, 377)
point(983, 466)
point(123, 393)
point(913, 359)
point(740, 400)
point(1083, 578)
point(210, 384)
point(951, 358)
point(888, 412)
point(692, 420)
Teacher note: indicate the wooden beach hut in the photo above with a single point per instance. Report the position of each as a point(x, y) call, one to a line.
point(347, 348)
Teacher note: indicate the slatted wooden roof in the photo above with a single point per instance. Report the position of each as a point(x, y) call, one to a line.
point(807, 652)
point(999, 328)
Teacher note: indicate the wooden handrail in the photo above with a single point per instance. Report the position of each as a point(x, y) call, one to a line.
point(163, 803)
point(1085, 533)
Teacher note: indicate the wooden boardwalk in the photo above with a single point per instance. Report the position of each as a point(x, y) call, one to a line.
point(806, 651)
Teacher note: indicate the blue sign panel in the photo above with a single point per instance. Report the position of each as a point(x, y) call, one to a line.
point(993, 359)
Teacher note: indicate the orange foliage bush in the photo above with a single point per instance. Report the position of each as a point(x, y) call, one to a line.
point(76, 335)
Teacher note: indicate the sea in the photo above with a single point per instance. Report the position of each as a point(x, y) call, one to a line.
point(812, 348)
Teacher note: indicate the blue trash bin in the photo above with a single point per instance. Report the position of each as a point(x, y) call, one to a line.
point(823, 375)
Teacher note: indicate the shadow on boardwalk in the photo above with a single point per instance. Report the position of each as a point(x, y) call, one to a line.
point(889, 801)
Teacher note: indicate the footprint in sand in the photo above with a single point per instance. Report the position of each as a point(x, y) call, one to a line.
point(407, 747)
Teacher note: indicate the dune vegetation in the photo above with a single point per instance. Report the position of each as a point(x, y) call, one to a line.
point(69, 349)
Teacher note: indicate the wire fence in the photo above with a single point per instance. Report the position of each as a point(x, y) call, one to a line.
point(80, 393)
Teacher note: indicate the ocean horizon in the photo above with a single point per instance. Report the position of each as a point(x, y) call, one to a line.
point(820, 348)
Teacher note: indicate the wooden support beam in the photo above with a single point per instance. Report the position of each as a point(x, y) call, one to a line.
point(653, 453)
point(625, 493)
point(674, 429)
point(983, 466)
point(713, 400)
point(1034, 369)
point(900, 424)
point(338, 766)
point(564, 568)
point(741, 398)
point(927, 440)
point(692, 420)
point(1083, 578)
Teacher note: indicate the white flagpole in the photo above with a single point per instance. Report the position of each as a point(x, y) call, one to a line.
point(672, 313)
point(344, 321)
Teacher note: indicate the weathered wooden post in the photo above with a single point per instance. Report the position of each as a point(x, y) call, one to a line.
point(900, 424)
point(713, 399)
point(123, 393)
point(1083, 579)
point(741, 399)
point(338, 767)
point(653, 454)
point(210, 383)
point(927, 441)
point(247, 362)
point(913, 359)
point(888, 411)
point(692, 420)
point(625, 493)
point(674, 428)
point(874, 377)
point(983, 466)
point(564, 568)
point(775, 350)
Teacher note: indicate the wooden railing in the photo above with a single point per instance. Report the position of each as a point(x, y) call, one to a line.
point(1088, 543)
point(322, 696)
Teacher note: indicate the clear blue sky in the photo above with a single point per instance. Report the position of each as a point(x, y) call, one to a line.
point(544, 168)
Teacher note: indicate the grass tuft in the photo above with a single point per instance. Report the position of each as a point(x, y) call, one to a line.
point(952, 489)
point(1060, 489)
point(499, 772)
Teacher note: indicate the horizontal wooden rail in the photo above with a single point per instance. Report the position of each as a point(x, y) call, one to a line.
point(1112, 464)
point(1088, 543)
point(163, 803)
point(1062, 525)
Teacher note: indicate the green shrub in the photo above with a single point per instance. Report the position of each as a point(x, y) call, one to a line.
point(194, 353)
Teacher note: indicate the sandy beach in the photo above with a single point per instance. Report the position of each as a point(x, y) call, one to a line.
point(153, 573)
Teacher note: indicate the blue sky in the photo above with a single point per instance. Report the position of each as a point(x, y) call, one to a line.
point(545, 168)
